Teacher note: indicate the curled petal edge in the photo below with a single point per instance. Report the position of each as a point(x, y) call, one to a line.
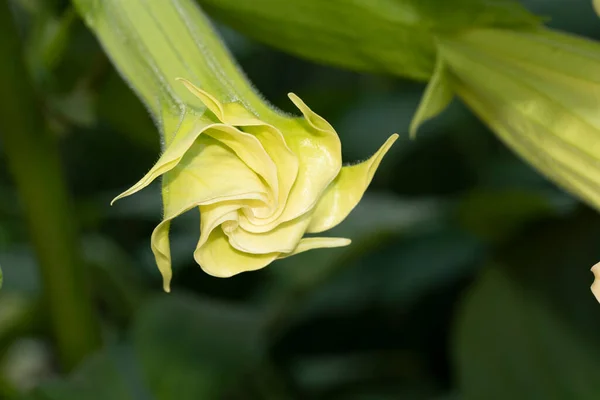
point(346, 191)
point(596, 285)
point(312, 243)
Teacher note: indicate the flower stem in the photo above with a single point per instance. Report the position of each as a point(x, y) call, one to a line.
point(152, 43)
point(33, 158)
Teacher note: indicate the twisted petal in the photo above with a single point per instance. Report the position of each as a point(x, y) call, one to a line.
point(249, 149)
point(191, 127)
point(209, 172)
point(282, 239)
point(287, 169)
point(229, 113)
point(346, 190)
point(596, 285)
point(317, 243)
point(320, 155)
point(213, 215)
point(307, 161)
point(162, 252)
point(195, 181)
point(318, 149)
point(218, 258)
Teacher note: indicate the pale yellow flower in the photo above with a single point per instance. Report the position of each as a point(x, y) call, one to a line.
point(259, 186)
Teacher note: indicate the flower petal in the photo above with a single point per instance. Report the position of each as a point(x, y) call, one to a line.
point(251, 151)
point(318, 148)
point(317, 243)
point(346, 190)
point(162, 252)
point(320, 159)
point(315, 120)
point(229, 113)
point(192, 126)
point(213, 215)
point(312, 139)
point(282, 239)
point(218, 258)
point(596, 285)
point(209, 172)
point(287, 167)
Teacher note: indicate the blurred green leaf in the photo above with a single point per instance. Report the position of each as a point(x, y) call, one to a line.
point(183, 347)
point(396, 275)
point(575, 16)
point(20, 269)
point(495, 215)
point(98, 378)
point(511, 345)
point(529, 327)
point(381, 375)
point(382, 36)
point(377, 216)
point(119, 106)
point(191, 349)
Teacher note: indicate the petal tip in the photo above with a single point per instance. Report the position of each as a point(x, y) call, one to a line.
point(206, 98)
point(119, 197)
point(412, 130)
point(596, 285)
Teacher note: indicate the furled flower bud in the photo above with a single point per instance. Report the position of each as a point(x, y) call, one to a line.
point(259, 186)
point(260, 179)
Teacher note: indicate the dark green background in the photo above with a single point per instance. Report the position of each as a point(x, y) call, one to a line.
point(468, 276)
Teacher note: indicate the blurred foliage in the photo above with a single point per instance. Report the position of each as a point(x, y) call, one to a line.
point(467, 278)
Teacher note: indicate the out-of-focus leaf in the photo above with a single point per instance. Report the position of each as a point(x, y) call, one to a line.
point(47, 41)
point(389, 373)
point(118, 106)
point(495, 215)
point(576, 16)
point(529, 327)
point(191, 349)
point(20, 271)
point(383, 36)
point(116, 281)
point(182, 348)
point(98, 378)
point(27, 362)
point(19, 297)
point(397, 275)
point(374, 218)
point(78, 107)
point(511, 345)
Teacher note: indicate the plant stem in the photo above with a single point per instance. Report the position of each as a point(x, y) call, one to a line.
point(33, 158)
